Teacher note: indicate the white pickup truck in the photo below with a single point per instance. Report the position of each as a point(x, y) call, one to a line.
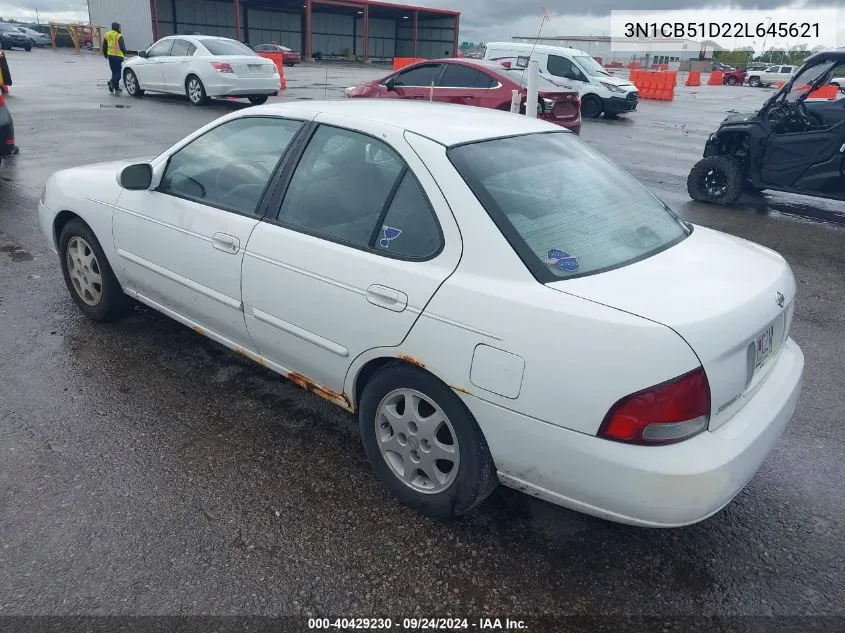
point(771, 76)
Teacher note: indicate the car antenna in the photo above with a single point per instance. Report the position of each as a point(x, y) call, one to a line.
point(545, 19)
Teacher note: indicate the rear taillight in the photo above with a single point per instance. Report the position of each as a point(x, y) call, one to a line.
point(222, 67)
point(2, 101)
point(664, 414)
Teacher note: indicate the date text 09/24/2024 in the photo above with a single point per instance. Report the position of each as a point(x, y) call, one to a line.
point(739, 30)
point(417, 624)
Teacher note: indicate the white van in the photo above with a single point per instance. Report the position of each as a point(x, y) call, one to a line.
point(600, 91)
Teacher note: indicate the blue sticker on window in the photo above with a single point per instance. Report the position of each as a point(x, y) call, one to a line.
point(561, 260)
point(390, 234)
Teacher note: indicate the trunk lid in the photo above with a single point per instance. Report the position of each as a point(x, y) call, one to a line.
point(248, 66)
point(566, 105)
point(730, 299)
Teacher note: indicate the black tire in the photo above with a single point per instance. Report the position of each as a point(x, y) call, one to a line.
point(28, 48)
point(133, 87)
point(113, 302)
point(731, 81)
point(716, 180)
point(258, 99)
point(196, 92)
point(476, 477)
point(754, 82)
point(591, 106)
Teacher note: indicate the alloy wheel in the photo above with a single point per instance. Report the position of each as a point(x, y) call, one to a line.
point(84, 271)
point(417, 441)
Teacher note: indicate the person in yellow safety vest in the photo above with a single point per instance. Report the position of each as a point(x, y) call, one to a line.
point(114, 50)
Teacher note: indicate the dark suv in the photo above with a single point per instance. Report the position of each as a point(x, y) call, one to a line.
point(11, 37)
point(794, 143)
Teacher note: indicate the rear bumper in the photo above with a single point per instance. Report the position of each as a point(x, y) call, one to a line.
point(243, 86)
point(616, 105)
point(648, 486)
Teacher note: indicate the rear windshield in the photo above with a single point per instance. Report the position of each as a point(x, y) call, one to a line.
point(566, 209)
point(227, 47)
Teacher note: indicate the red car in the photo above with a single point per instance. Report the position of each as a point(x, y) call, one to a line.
point(480, 83)
point(289, 57)
point(734, 77)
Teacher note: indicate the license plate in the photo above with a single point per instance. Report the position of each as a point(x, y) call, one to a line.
point(764, 345)
point(254, 68)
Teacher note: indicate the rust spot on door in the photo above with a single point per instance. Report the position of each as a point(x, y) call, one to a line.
point(461, 390)
point(198, 330)
point(412, 360)
point(303, 382)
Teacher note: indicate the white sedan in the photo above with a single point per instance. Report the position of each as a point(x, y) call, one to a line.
point(202, 67)
point(496, 300)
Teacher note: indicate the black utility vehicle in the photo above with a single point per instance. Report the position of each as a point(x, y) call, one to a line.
point(791, 144)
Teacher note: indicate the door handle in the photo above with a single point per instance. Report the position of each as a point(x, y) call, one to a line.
point(226, 243)
point(387, 298)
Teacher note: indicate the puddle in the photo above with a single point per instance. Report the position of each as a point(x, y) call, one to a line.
point(16, 253)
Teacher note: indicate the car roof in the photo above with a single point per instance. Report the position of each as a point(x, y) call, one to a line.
point(537, 48)
point(445, 124)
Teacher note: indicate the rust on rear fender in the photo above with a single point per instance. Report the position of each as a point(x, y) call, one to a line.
point(412, 361)
point(303, 382)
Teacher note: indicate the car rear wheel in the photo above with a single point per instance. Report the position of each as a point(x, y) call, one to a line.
point(88, 275)
point(717, 180)
point(196, 91)
point(423, 443)
point(731, 81)
point(132, 85)
point(258, 99)
point(754, 82)
point(591, 106)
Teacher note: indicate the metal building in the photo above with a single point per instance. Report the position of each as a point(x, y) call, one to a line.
point(346, 29)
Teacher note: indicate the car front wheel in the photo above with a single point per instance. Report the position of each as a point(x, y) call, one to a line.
point(423, 443)
point(132, 85)
point(717, 180)
point(591, 106)
point(88, 275)
point(258, 99)
point(754, 82)
point(731, 81)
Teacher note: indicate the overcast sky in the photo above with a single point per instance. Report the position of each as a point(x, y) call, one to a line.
point(486, 20)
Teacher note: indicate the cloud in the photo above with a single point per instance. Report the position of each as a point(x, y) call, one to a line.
point(47, 9)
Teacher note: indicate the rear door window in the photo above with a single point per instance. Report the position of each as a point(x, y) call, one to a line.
point(458, 76)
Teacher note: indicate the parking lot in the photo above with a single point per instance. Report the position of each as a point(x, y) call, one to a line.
point(147, 470)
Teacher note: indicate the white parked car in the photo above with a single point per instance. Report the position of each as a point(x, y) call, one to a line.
point(202, 67)
point(498, 303)
point(771, 76)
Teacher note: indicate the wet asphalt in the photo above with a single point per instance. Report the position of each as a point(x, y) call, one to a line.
point(147, 470)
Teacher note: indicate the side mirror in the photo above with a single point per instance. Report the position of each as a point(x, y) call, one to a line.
point(137, 177)
point(390, 84)
point(143, 54)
